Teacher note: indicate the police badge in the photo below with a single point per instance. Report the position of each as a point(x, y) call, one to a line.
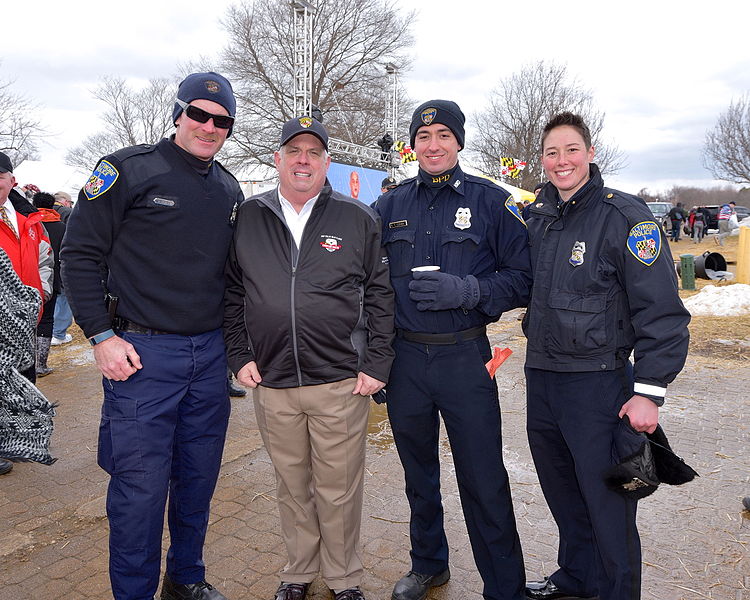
point(463, 218)
point(576, 255)
point(428, 115)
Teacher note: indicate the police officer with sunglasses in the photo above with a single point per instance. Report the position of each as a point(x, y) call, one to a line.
point(158, 219)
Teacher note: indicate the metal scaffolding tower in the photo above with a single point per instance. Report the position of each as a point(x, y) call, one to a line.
point(303, 76)
point(391, 101)
point(302, 57)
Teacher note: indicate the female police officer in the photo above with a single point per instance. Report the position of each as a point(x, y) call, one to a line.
point(604, 285)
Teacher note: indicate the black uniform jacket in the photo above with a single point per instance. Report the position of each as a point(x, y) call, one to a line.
point(313, 315)
point(604, 285)
point(161, 232)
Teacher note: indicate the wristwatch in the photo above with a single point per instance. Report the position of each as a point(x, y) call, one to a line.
point(100, 337)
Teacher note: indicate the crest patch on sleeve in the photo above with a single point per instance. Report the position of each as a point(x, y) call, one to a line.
point(644, 242)
point(511, 205)
point(103, 178)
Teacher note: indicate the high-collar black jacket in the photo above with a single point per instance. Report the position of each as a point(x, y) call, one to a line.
point(604, 285)
point(316, 314)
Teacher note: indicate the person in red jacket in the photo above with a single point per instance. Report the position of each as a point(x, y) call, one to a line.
point(24, 240)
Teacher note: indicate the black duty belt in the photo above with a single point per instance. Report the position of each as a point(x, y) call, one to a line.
point(442, 339)
point(121, 324)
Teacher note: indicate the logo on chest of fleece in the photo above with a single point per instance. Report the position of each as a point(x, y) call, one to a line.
point(331, 243)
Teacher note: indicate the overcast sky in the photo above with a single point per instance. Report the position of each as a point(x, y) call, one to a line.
point(662, 71)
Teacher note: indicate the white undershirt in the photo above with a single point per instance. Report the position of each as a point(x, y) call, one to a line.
point(11, 212)
point(296, 220)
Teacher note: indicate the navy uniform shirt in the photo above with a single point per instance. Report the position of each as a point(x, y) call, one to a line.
point(470, 226)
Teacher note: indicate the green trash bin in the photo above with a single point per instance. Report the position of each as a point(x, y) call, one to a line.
point(687, 271)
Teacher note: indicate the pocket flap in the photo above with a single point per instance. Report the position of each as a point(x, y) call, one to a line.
point(399, 235)
point(590, 303)
point(456, 237)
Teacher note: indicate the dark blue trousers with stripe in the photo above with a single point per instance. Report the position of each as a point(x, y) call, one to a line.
point(572, 418)
point(162, 435)
point(428, 381)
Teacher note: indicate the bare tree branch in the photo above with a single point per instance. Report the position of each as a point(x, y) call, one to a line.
point(511, 124)
point(352, 41)
point(20, 133)
point(134, 116)
point(726, 152)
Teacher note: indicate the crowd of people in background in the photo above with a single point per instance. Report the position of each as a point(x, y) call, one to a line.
point(695, 223)
point(31, 232)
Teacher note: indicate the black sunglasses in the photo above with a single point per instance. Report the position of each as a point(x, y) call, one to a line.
point(201, 116)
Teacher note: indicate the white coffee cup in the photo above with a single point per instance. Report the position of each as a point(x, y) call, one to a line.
point(426, 268)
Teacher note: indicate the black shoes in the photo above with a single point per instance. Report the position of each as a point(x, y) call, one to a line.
point(189, 591)
point(546, 590)
point(414, 586)
point(5, 466)
point(236, 391)
point(351, 594)
point(291, 591)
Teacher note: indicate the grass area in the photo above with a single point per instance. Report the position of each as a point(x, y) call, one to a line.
point(721, 338)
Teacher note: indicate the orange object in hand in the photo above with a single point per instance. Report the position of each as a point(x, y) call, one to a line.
point(498, 358)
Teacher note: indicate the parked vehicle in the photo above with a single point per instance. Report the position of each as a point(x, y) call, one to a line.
point(660, 210)
point(713, 212)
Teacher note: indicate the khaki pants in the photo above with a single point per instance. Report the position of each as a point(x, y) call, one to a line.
point(315, 436)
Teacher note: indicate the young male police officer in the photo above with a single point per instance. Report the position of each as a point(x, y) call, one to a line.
point(309, 324)
point(158, 218)
point(472, 231)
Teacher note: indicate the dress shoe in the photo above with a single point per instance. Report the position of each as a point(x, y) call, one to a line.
point(350, 594)
point(546, 590)
point(236, 391)
point(189, 591)
point(291, 591)
point(5, 466)
point(414, 586)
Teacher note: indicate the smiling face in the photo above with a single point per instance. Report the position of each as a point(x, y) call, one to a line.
point(566, 160)
point(202, 140)
point(436, 148)
point(302, 164)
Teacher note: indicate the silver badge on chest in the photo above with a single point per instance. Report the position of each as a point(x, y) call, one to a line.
point(576, 256)
point(463, 218)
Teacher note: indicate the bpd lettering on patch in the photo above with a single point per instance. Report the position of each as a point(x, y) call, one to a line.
point(644, 242)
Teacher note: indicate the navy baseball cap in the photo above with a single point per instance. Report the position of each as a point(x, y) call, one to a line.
point(298, 125)
point(5, 165)
point(388, 182)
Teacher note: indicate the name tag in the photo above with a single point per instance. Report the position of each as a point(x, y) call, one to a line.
point(397, 224)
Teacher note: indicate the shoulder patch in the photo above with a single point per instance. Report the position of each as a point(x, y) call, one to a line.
point(644, 242)
point(511, 205)
point(102, 179)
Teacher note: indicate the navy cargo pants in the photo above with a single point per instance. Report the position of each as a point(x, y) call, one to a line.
point(572, 418)
point(428, 380)
point(162, 434)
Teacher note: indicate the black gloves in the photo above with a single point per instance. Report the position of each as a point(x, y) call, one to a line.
point(433, 290)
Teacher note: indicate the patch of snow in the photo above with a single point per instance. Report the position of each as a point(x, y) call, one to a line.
point(725, 301)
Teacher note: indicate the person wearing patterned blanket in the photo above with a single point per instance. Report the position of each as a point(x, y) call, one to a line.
point(25, 414)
